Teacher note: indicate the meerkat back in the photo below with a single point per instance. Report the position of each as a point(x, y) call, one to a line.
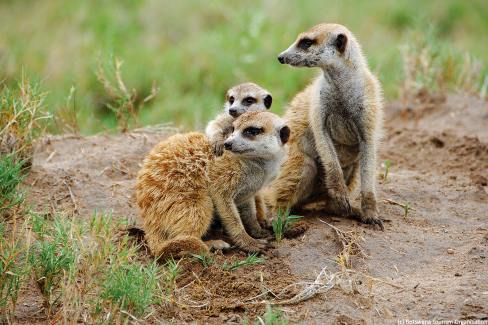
point(172, 188)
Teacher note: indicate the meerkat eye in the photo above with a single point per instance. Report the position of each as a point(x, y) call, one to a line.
point(231, 100)
point(248, 101)
point(252, 131)
point(305, 43)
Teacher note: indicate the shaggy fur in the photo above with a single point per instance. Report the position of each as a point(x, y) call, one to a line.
point(182, 186)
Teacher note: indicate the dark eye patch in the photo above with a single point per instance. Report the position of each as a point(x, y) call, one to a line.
point(231, 100)
point(305, 43)
point(248, 101)
point(252, 131)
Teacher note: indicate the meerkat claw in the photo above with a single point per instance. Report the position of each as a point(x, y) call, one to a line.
point(218, 149)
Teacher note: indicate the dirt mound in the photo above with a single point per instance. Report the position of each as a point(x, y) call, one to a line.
point(428, 263)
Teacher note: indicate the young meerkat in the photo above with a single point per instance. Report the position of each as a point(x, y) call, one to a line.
point(182, 186)
point(245, 97)
point(336, 123)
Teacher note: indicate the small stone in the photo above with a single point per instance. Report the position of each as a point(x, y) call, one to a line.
point(450, 251)
point(457, 274)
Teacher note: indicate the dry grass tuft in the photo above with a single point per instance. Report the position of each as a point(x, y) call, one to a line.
point(22, 114)
point(124, 102)
point(431, 67)
point(351, 246)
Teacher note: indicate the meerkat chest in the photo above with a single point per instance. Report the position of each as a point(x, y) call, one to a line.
point(345, 137)
point(252, 182)
point(342, 130)
point(255, 178)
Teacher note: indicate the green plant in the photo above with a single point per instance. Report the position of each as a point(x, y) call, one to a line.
point(53, 255)
point(131, 287)
point(12, 269)
point(38, 223)
point(406, 208)
point(10, 178)
point(387, 170)
point(272, 317)
point(251, 259)
point(172, 271)
point(21, 114)
point(205, 260)
point(282, 222)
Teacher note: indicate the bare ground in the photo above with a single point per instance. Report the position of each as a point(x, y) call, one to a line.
point(430, 264)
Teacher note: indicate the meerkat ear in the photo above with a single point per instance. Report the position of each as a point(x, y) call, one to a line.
point(341, 42)
point(284, 134)
point(268, 100)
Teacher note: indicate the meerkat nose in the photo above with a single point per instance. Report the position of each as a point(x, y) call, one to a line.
point(233, 112)
point(228, 145)
point(281, 58)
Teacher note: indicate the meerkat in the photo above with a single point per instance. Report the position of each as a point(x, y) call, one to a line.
point(336, 123)
point(183, 186)
point(245, 97)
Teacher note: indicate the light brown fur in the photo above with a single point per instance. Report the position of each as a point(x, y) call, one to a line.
point(336, 123)
point(182, 186)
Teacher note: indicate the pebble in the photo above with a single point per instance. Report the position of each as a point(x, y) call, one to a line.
point(450, 251)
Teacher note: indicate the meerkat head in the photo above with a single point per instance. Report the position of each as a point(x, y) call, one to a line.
point(247, 97)
point(258, 135)
point(324, 45)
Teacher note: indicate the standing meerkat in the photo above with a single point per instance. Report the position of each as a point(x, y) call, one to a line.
point(183, 186)
point(245, 97)
point(336, 123)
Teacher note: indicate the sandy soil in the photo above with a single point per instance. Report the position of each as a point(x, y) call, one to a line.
point(431, 264)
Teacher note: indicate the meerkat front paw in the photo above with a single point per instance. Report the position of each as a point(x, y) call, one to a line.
point(256, 246)
point(265, 223)
point(370, 216)
point(340, 199)
point(218, 148)
point(369, 211)
point(260, 233)
point(296, 229)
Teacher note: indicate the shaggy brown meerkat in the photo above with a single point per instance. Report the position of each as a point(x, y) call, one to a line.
point(245, 97)
point(183, 186)
point(336, 123)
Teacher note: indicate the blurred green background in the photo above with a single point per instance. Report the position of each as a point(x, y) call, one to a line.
point(196, 50)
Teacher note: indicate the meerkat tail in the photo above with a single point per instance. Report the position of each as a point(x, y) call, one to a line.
point(179, 246)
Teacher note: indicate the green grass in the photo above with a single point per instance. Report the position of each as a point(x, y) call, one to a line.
point(54, 254)
point(283, 221)
point(12, 270)
point(132, 287)
point(205, 260)
point(23, 116)
point(387, 163)
point(194, 50)
point(272, 317)
point(251, 259)
point(10, 178)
